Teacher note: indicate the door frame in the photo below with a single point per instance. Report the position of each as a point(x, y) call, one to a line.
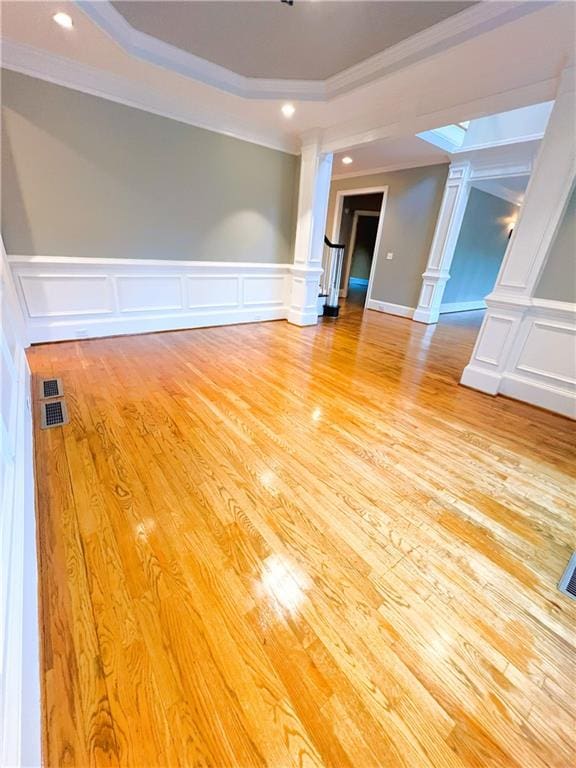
point(337, 220)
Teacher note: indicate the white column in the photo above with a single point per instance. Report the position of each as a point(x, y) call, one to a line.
point(521, 337)
point(446, 234)
point(314, 190)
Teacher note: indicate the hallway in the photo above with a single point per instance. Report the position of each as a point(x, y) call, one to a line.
point(265, 545)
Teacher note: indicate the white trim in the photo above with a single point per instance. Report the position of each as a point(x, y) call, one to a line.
point(391, 309)
point(438, 38)
point(446, 231)
point(485, 171)
point(67, 298)
point(19, 645)
point(526, 351)
point(462, 306)
point(336, 221)
point(69, 73)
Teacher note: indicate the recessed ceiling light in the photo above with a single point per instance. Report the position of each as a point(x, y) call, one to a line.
point(347, 160)
point(63, 20)
point(288, 110)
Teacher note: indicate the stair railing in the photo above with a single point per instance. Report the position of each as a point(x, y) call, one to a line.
point(334, 258)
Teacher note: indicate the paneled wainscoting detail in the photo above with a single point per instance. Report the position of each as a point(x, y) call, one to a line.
point(69, 298)
point(19, 644)
point(526, 349)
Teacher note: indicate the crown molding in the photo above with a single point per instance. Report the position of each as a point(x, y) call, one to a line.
point(59, 70)
point(453, 31)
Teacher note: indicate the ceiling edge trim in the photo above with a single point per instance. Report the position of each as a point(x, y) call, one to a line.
point(453, 31)
point(59, 70)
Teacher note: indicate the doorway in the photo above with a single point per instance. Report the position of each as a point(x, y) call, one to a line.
point(360, 255)
point(358, 220)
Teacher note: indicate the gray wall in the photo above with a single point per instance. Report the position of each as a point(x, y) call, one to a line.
point(414, 197)
point(558, 278)
point(85, 177)
point(480, 247)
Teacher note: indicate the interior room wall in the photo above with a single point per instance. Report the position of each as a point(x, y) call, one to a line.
point(480, 247)
point(87, 177)
point(558, 278)
point(413, 202)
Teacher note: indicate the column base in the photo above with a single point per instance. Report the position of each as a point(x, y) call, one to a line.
point(427, 316)
point(299, 317)
point(481, 379)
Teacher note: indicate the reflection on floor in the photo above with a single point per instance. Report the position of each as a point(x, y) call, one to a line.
point(266, 545)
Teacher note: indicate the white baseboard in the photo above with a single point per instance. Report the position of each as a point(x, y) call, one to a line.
point(390, 309)
point(539, 393)
point(358, 282)
point(68, 298)
point(462, 306)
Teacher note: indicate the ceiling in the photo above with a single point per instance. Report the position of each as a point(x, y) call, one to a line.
point(308, 41)
point(387, 155)
point(486, 59)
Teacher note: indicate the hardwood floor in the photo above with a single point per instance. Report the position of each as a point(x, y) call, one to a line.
point(266, 545)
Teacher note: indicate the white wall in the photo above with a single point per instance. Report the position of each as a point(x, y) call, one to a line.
point(19, 646)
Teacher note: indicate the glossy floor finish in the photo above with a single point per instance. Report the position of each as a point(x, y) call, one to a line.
point(266, 545)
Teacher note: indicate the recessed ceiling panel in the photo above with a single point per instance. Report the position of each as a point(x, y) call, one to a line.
point(308, 41)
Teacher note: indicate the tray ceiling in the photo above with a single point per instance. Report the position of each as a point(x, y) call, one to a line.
point(308, 41)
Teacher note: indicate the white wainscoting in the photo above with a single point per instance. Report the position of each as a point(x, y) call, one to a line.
point(527, 350)
point(19, 645)
point(70, 298)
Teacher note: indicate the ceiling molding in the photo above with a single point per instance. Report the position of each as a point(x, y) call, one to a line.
point(490, 170)
point(438, 38)
point(69, 73)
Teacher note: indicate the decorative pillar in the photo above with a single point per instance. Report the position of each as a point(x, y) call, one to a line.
point(313, 194)
point(446, 234)
point(524, 343)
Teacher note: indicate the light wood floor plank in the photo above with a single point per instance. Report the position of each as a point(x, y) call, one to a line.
point(276, 546)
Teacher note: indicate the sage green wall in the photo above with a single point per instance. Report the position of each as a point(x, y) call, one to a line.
point(558, 278)
point(414, 197)
point(85, 177)
point(480, 247)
